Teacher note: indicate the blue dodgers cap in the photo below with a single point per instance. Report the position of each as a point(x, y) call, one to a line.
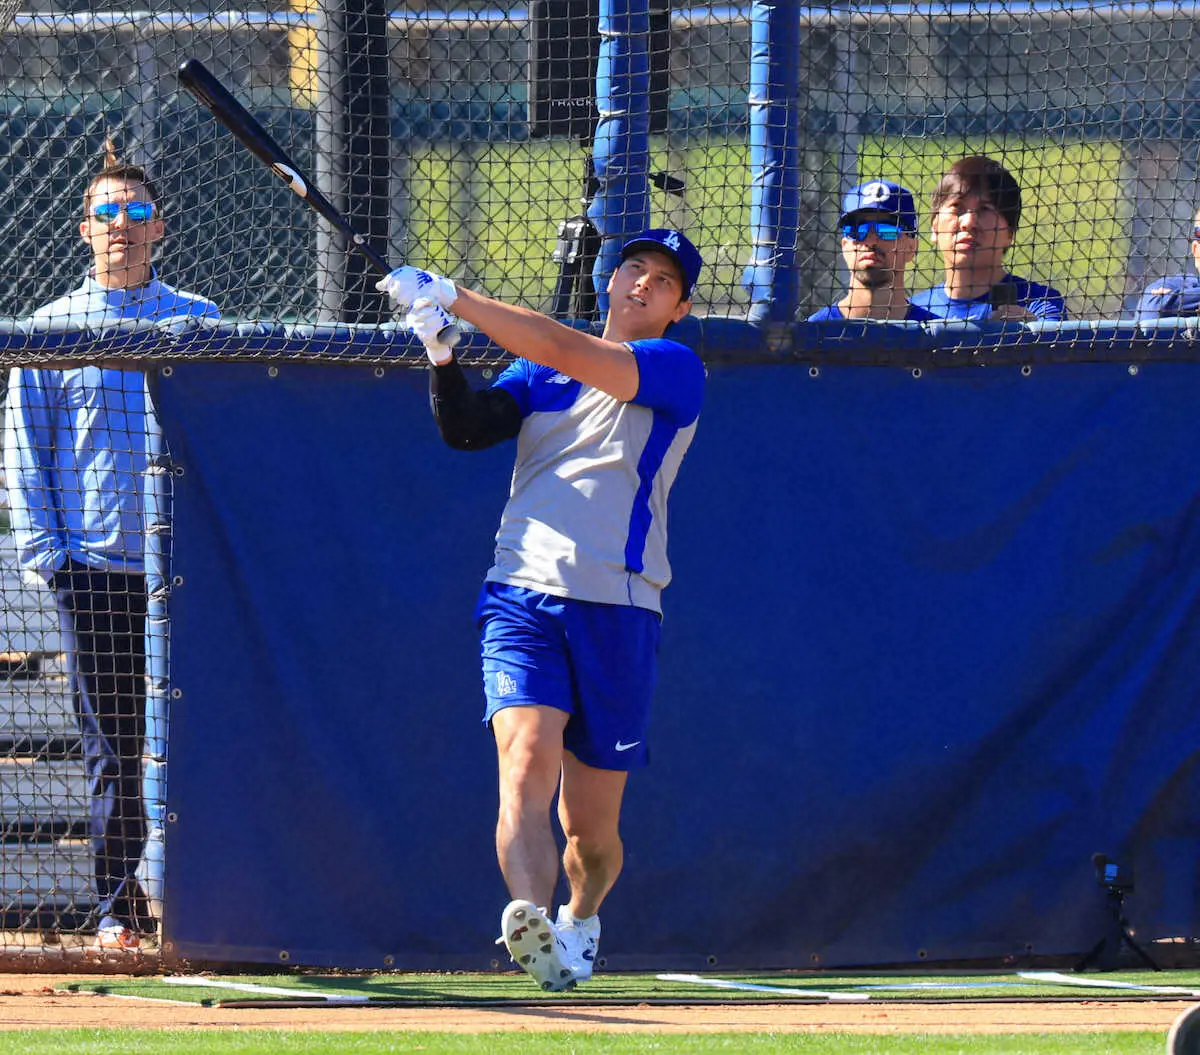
point(675, 244)
point(884, 196)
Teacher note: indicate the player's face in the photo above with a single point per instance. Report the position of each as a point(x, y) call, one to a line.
point(645, 296)
point(121, 248)
point(875, 261)
point(971, 233)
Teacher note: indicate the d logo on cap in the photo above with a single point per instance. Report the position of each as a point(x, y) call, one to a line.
point(875, 192)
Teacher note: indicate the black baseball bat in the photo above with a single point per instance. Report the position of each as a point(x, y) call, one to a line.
point(215, 98)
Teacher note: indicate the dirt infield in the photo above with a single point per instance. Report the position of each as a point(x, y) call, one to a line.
point(32, 1002)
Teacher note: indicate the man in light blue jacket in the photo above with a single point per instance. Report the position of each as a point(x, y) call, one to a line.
point(75, 451)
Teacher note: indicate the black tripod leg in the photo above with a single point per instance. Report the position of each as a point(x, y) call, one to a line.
point(1142, 954)
point(1092, 955)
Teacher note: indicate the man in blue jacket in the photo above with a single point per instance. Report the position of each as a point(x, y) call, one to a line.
point(1176, 296)
point(75, 453)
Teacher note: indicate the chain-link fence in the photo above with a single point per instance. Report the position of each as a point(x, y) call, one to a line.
point(1094, 110)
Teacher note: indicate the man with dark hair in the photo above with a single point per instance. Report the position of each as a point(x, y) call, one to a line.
point(1176, 296)
point(569, 615)
point(878, 226)
point(75, 451)
point(976, 213)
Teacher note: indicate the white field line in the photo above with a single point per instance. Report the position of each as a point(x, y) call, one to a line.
point(778, 990)
point(266, 990)
point(129, 996)
point(1098, 983)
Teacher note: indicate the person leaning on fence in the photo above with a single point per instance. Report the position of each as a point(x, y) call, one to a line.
point(1176, 296)
point(75, 448)
point(878, 226)
point(976, 211)
point(569, 615)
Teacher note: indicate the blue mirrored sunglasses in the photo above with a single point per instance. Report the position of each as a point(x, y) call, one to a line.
point(136, 211)
point(859, 232)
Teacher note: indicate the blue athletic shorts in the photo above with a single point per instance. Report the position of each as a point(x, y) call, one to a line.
point(597, 662)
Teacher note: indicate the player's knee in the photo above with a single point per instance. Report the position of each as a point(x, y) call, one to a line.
point(591, 841)
point(528, 776)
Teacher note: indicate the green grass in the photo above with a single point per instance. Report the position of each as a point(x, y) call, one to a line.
point(269, 1042)
point(489, 211)
point(1073, 218)
point(432, 988)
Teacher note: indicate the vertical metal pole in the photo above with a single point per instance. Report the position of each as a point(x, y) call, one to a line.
point(157, 505)
point(772, 277)
point(620, 207)
point(353, 163)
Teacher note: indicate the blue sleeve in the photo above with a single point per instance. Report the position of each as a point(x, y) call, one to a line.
point(1170, 298)
point(34, 401)
point(1049, 306)
point(670, 379)
point(930, 301)
point(515, 380)
point(1156, 303)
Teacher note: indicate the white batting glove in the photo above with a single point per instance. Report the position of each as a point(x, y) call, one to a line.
point(428, 322)
point(406, 284)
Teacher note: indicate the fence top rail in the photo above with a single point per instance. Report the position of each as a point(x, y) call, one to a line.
point(718, 339)
point(151, 22)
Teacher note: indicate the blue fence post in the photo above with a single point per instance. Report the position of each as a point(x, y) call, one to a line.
point(771, 277)
point(620, 207)
point(157, 526)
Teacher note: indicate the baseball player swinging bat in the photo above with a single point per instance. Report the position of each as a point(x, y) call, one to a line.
point(213, 96)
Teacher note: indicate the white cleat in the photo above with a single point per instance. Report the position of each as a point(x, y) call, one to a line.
point(582, 939)
point(534, 944)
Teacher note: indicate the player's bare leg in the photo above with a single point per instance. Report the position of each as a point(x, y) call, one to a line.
point(589, 809)
point(529, 748)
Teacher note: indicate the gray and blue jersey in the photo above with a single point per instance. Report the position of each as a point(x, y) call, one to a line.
point(586, 516)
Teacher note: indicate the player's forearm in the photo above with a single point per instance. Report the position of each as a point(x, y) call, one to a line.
point(468, 420)
point(602, 364)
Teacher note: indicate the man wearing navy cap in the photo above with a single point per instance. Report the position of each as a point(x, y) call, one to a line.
point(879, 240)
point(569, 614)
point(1176, 296)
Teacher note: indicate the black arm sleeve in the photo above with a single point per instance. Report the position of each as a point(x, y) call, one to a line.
point(470, 420)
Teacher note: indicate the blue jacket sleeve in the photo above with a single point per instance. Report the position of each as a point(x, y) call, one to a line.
point(1049, 307)
point(34, 404)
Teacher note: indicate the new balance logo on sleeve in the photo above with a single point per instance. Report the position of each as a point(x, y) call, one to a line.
point(505, 685)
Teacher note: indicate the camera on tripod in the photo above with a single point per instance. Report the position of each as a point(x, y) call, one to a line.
point(1112, 876)
point(1117, 881)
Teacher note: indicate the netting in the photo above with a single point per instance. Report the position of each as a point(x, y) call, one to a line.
point(512, 149)
point(1091, 108)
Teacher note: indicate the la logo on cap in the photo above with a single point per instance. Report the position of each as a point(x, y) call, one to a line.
point(672, 240)
point(876, 192)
